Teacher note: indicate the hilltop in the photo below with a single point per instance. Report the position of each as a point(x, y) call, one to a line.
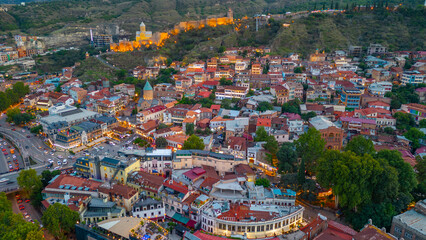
point(72, 16)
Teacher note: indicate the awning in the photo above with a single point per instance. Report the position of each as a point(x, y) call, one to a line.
point(178, 217)
point(191, 223)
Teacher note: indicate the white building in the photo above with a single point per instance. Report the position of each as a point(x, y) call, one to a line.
point(380, 88)
point(249, 220)
point(149, 208)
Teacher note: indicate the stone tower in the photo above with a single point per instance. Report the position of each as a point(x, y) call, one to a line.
point(230, 14)
point(142, 27)
point(148, 93)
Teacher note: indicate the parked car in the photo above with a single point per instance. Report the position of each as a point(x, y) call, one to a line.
point(21, 207)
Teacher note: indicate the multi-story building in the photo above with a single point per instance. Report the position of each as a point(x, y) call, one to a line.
point(149, 208)
point(153, 113)
point(375, 49)
point(166, 90)
point(418, 111)
point(230, 92)
point(380, 88)
point(187, 159)
point(78, 94)
point(173, 193)
point(114, 169)
point(102, 40)
point(125, 196)
point(158, 161)
point(256, 69)
point(350, 97)
point(413, 77)
point(148, 185)
point(332, 134)
point(410, 224)
point(249, 220)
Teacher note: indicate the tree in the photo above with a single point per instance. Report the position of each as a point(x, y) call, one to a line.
point(404, 120)
point(421, 168)
point(287, 158)
point(301, 173)
point(350, 176)
point(193, 142)
point(261, 134)
point(307, 116)
point(47, 175)
point(406, 176)
point(224, 82)
point(226, 103)
point(14, 226)
point(162, 125)
point(414, 135)
point(29, 181)
point(360, 146)
point(389, 130)
point(59, 220)
point(422, 123)
point(310, 147)
point(289, 180)
point(292, 106)
point(271, 145)
point(161, 142)
point(37, 129)
point(263, 106)
point(134, 111)
point(189, 129)
point(297, 70)
point(262, 182)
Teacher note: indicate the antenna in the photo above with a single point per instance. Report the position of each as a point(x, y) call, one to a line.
point(91, 38)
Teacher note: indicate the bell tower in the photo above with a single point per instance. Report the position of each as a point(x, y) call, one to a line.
point(230, 14)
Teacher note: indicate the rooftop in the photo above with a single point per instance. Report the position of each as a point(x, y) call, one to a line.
point(120, 226)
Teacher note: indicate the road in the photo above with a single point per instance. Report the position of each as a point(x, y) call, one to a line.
point(106, 63)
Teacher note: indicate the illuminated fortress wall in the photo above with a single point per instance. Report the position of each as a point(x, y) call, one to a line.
point(146, 38)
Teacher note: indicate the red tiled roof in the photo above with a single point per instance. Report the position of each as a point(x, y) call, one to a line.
point(194, 173)
point(65, 179)
point(243, 213)
point(176, 186)
point(265, 122)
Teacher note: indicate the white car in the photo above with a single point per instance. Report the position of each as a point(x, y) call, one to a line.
point(56, 168)
point(14, 156)
point(50, 160)
point(59, 163)
point(65, 162)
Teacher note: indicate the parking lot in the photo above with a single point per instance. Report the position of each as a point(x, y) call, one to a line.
point(21, 205)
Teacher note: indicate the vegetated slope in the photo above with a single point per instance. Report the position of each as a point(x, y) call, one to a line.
point(45, 17)
point(7, 22)
point(401, 30)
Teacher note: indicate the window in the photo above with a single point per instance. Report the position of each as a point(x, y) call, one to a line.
point(408, 235)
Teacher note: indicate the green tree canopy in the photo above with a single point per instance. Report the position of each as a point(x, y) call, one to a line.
point(261, 134)
point(29, 181)
point(263, 106)
point(310, 147)
point(287, 158)
point(161, 142)
point(414, 135)
point(404, 120)
point(307, 116)
point(59, 220)
point(360, 146)
point(406, 176)
point(14, 226)
point(224, 82)
point(189, 129)
point(421, 168)
point(193, 142)
point(47, 175)
point(263, 182)
point(271, 145)
point(350, 176)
